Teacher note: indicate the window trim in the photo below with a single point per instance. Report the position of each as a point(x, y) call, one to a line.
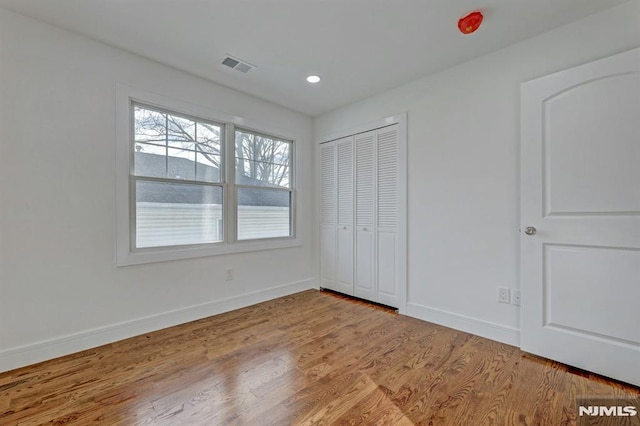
point(125, 254)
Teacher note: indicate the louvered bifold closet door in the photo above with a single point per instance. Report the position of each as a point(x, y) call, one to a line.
point(387, 217)
point(365, 283)
point(328, 215)
point(344, 150)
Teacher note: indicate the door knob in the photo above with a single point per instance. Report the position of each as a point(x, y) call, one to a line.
point(530, 230)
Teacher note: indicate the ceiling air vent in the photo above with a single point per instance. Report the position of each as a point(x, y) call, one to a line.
point(237, 64)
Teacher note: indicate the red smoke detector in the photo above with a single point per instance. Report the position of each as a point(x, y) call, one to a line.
point(470, 23)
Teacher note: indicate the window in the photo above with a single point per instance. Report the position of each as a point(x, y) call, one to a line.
point(191, 183)
point(176, 179)
point(263, 182)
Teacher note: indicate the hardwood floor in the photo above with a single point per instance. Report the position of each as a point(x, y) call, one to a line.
point(309, 358)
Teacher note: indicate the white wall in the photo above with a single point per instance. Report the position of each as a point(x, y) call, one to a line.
point(464, 172)
point(59, 288)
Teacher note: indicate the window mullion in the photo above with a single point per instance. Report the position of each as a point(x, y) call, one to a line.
point(166, 145)
point(195, 150)
point(231, 209)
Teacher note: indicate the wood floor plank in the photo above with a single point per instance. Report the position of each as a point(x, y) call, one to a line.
point(307, 358)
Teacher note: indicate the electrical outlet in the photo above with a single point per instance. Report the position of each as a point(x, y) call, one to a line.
point(504, 295)
point(515, 297)
point(229, 275)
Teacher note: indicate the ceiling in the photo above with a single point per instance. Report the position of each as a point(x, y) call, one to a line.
point(359, 47)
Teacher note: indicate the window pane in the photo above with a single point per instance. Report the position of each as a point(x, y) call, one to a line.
point(262, 161)
point(263, 213)
point(172, 146)
point(181, 164)
point(150, 160)
point(259, 173)
point(209, 137)
point(170, 214)
point(150, 126)
point(181, 132)
point(208, 152)
point(207, 167)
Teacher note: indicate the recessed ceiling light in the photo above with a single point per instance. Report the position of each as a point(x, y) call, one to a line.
point(313, 79)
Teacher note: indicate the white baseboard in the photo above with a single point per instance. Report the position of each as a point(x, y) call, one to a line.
point(44, 350)
point(489, 330)
point(316, 283)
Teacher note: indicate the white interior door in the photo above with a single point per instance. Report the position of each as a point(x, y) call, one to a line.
point(580, 270)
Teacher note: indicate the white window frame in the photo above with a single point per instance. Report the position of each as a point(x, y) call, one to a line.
point(237, 187)
point(125, 254)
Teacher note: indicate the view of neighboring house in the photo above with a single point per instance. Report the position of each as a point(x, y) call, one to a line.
point(179, 214)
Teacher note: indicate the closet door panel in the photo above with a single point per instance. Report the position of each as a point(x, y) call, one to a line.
point(365, 179)
point(387, 215)
point(387, 260)
point(345, 181)
point(365, 254)
point(387, 145)
point(365, 286)
point(328, 201)
point(345, 259)
point(328, 216)
point(328, 254)
point(344, 150)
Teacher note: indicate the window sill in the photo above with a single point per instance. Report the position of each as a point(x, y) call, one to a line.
point(168, 254)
